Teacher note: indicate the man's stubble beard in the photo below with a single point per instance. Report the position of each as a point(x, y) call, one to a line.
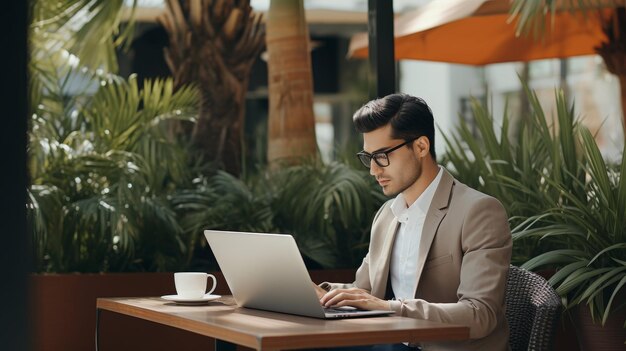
point(409, 183)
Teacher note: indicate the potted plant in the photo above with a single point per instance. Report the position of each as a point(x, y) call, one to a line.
point(591, 260)
point(567, 206)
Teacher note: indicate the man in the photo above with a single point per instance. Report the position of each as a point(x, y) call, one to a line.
point(439, 250)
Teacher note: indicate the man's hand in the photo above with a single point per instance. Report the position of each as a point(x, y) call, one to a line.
point(354, 297)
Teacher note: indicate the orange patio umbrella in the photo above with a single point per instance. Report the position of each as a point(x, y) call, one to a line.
point(479, 32)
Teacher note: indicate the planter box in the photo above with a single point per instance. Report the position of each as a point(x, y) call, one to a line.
point(63, 311)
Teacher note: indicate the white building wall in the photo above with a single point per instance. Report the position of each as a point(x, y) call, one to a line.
point(594, 91)
point(442, 86)
point(501, 79)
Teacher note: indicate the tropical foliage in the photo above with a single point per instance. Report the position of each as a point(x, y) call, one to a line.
point(102, 161)
point(88, 29)
point(101, 168)
point(328, 208)
point(592, 232)
point(113, 187)
point(567, 206)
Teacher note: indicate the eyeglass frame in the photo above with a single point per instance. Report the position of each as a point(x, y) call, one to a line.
point(383, 152)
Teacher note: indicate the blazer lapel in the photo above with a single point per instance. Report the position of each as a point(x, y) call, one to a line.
point(436, 212)
point(381, 273)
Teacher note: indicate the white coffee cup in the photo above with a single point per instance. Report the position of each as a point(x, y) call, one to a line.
point(192, 285)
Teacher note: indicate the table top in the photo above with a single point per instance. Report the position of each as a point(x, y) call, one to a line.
point(263, 330)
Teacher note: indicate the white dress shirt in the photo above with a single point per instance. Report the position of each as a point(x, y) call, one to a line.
point(403, 265)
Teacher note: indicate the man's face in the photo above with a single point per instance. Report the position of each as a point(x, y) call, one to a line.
point(405, 167)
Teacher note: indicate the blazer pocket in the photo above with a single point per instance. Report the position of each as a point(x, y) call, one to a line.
point(438, 261)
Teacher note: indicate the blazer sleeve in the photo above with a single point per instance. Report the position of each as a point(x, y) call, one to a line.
point(486, 245)
point(362, 280)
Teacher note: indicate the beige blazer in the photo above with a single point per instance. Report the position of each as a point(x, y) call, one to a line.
point(463, 262)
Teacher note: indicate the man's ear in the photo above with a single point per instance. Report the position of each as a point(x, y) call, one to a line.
point(423, 146)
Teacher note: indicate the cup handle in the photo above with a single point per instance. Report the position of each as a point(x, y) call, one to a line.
point(214, 283)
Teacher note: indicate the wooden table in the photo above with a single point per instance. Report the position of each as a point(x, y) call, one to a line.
point(262, 330)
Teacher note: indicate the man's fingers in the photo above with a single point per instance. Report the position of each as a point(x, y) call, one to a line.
point(331, 294)
point(333, 301)
point(358, 303)
point(334, 296)
point(342, 296)
point(353, 297)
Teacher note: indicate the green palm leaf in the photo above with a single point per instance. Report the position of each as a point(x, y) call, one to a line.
point(112, 155)
point(88, 29)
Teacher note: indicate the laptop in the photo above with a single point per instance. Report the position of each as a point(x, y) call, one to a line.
point(266, 272)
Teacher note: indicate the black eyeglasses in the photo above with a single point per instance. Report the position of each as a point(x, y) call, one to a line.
point(380, 157)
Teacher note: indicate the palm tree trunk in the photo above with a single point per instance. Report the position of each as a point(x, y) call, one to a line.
point(214, 44)
point(218, 131)
point(291, 120)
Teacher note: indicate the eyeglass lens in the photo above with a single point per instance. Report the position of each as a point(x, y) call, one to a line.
point(381, 159)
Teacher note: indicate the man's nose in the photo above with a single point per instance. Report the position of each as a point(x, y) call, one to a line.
point(374, 168)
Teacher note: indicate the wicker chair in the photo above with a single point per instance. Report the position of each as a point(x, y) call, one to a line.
point(532, 310)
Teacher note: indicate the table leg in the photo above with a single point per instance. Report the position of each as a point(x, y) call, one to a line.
point(97, 326)
point(221, 345)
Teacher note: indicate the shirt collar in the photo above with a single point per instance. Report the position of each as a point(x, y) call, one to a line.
point(421, 205)
point(399, 209)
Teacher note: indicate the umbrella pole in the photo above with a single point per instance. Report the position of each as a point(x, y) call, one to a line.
point(382, 66)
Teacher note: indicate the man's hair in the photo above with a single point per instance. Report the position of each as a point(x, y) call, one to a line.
point(409, 116)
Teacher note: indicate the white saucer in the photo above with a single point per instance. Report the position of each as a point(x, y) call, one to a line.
point(193, 301)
